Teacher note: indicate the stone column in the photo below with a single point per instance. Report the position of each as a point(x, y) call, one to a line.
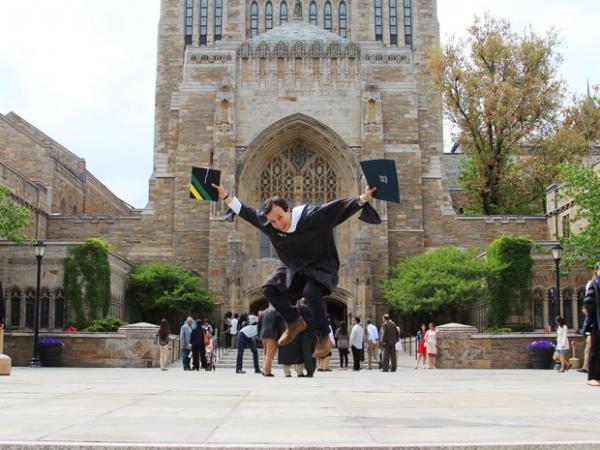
point(5, 361)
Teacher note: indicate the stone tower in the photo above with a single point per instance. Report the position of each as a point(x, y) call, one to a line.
point(287, 98)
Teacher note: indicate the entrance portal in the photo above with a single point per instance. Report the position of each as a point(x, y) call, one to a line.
point(336, 309)
point(258, 305)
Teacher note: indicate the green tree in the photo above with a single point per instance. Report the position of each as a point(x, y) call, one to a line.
point(445, 280)
point(500, 92)
point(158, 291)
point(582, 184)
point(512, 256)
point(87, 281)
point(13, 218)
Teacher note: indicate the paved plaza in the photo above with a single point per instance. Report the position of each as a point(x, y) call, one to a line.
point(146, 408)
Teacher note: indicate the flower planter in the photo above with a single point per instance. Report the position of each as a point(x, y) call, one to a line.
point(541, 359)
point(50, 356)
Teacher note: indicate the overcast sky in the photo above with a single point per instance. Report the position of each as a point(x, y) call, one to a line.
point(83, 71)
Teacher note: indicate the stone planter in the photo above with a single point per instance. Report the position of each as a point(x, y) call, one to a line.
point(50, 355)
point(541, 359)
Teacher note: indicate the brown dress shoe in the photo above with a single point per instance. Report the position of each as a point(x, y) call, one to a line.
point(292, 330)
point(323, 347)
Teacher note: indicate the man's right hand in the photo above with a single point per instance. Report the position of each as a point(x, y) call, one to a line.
point(220, 189)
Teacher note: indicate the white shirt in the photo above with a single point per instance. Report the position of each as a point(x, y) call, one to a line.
point(562, 340)
point(250, 330)
point(233, 328)
point(356, 336)
point(236, 207)
point(372, 333)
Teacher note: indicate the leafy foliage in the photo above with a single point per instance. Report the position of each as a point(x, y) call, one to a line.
point(158, 291)
point(13, 218)
point(446, 279)
point(108, 325)
point(582, 184)
point(500, 92)
point(512, 256)
point(87, 281)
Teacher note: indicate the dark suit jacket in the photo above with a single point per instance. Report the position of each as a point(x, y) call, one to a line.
point(389, 333)
point(270, 324)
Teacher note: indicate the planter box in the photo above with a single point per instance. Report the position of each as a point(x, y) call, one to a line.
point(541, 359)
point(50, 355)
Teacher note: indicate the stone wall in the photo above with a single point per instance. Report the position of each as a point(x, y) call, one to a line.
point(132, 346)
point(493, 351)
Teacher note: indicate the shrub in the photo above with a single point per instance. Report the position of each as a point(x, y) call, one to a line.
point(108, 325)
point(50, 342)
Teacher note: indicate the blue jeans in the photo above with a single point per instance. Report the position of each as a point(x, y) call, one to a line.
point(186, 357)
point(243, 341)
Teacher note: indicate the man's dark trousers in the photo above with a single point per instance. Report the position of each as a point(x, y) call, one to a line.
point(389, 351)
point(302, 286)
point(243, 342)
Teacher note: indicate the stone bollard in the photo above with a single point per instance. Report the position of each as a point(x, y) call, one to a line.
point(141, 346)
point(456, 349)
point(5, 361)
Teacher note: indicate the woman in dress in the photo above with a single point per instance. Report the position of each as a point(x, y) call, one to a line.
point(421, 352)
point(431, 345)
point(164, 333)
point(562, 343)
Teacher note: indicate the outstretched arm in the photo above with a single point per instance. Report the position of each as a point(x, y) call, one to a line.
point(250, 215)
point(338, 211)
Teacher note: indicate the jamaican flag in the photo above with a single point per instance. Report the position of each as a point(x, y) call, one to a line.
point(201, 183)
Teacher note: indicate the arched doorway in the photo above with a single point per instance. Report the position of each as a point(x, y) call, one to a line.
point(258, 305)
point(336, 309)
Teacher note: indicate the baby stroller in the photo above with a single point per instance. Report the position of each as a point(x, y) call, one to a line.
point(211, 362)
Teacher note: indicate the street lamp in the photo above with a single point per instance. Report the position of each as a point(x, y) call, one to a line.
point(556, 254)
point(40, 249)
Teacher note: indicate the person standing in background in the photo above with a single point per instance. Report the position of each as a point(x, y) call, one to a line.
point(372, 343)
point(270, 327)
point(164, 337)
point(357, 336)
point(389, 337)
point(343, 344)
point(185, 336)
point(233, 329)
point(421, 351)
point(431, 345)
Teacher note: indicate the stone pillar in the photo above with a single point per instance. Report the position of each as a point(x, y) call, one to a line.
point(140, 349)
point(5, 361)
point(455, 348)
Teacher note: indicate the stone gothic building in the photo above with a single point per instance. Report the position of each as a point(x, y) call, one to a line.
point(287, 97)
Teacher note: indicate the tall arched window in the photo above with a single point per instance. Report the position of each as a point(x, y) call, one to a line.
point(408, 22)
point(29, 307)
point(283, 12)
point(59, 309)
point(15, 307)
point(312, 13)
point(189, 21)
point(342, 19)
point(268, 16)
point(254, 19)
point(45, 309)
point(393, 23)
point(218, 20)
point(378, 21)
point(327, 16)
point(567, 304)
point(203, 21)
point(538, 308)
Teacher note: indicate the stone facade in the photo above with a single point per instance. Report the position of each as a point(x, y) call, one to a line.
point(290, 110)
point(18, 271)
point(132, 346)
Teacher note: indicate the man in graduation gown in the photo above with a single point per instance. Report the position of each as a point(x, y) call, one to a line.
point(304, 241)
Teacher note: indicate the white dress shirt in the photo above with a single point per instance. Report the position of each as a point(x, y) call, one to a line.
point(356, 336)
point(372, 333)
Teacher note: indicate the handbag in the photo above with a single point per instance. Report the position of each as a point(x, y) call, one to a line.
point(206, 338)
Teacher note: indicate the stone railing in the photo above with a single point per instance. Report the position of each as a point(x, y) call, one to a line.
point(132, 346)
point(462, 347)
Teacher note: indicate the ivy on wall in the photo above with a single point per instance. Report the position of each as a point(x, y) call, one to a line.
point(87, 281)
point(512, 255)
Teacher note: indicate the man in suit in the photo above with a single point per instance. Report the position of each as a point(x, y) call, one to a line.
point(389, 337)
point(270, 327)
point(304, 240)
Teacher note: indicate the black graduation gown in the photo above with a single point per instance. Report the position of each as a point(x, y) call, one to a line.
point(310, 250)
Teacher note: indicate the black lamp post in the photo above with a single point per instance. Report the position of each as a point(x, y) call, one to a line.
point(556, 254)
point(40, 249)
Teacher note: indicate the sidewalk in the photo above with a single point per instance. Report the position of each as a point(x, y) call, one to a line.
point(68, 408)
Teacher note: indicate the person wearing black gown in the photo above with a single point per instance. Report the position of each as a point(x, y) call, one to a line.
point(304, 240)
